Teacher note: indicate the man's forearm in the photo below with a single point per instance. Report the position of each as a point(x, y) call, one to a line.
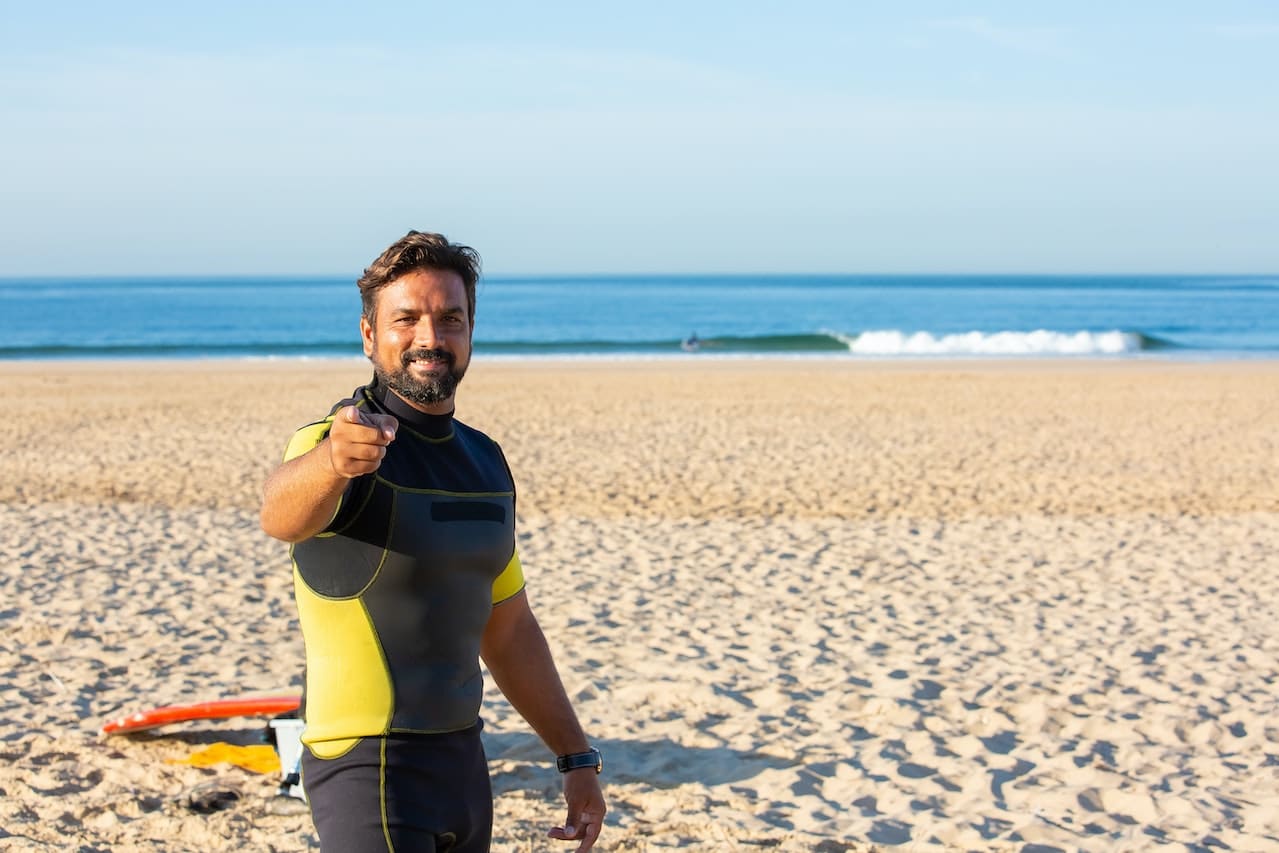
point(517, 654)
point(301, 496)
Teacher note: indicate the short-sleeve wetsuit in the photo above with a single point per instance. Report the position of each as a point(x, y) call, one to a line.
point(393, 597)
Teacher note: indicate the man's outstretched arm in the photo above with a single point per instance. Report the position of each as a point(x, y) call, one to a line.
point(516, 652)
point(301, 496)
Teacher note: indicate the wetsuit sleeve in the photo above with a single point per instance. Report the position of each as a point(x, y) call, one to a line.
point(305, 440)
point(510, 581)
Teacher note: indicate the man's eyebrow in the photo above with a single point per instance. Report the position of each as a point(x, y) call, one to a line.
point(413, 311)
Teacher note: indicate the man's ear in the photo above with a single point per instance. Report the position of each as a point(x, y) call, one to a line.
point(366, 335)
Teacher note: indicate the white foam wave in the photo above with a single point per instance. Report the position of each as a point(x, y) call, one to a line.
point(1039, 342)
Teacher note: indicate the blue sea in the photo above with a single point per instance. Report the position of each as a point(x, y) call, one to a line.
point(852, 317)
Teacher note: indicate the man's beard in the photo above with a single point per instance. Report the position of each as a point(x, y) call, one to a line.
point(422, 391)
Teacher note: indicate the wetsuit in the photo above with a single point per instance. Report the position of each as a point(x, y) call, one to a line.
point(393, 597)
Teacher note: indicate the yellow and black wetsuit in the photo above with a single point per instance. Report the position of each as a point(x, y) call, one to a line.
point(393, 597)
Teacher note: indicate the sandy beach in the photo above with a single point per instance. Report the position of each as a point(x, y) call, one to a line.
point(800, 606)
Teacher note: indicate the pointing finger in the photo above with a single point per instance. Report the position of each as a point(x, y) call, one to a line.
point(386, 425)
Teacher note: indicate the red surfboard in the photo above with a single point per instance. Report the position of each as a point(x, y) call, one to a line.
point(256, 706)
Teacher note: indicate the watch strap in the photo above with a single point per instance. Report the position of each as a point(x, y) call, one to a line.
point(580, 760)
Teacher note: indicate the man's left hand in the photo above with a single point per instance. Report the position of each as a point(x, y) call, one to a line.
point(585, 809)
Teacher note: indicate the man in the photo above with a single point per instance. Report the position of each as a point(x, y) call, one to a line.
point(402, 521)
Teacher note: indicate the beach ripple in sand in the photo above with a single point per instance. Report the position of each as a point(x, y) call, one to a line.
point(1103, 697)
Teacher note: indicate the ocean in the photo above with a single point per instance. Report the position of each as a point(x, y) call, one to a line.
point(854, 317)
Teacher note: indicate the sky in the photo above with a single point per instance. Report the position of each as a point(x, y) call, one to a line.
point(658, 137)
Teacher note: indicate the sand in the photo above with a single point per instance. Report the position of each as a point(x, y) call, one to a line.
point(800, 606)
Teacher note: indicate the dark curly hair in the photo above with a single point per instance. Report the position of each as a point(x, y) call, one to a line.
point(418, 250)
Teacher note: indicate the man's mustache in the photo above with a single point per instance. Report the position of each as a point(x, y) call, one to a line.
point(426, 355)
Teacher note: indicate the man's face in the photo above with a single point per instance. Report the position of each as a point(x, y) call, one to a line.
point(420, 340)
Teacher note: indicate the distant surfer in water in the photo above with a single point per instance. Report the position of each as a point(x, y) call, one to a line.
point(691, 343)
point(406, 573)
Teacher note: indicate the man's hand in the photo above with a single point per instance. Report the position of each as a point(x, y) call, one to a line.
point(585, 809)
point(358, 440)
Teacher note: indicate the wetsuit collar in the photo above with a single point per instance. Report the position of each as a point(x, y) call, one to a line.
point(432, 426)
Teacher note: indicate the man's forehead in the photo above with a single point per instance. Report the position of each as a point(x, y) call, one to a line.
point(434, 289)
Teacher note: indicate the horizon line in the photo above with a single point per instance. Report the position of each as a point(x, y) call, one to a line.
point(291, 276)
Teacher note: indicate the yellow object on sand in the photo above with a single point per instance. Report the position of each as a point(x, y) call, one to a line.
point(259, 759)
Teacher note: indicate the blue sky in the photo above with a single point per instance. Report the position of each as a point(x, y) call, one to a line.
point(159, 138)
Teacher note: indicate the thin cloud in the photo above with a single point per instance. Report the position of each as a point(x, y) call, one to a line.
point(1248, 32)
point(361, 80)
point(1041, 41)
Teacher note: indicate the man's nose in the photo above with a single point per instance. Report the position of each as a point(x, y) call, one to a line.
point(426, 335)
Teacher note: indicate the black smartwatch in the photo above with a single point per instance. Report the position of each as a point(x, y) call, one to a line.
point(579, 760)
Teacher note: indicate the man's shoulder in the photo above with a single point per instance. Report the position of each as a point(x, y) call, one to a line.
point(468, 433)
